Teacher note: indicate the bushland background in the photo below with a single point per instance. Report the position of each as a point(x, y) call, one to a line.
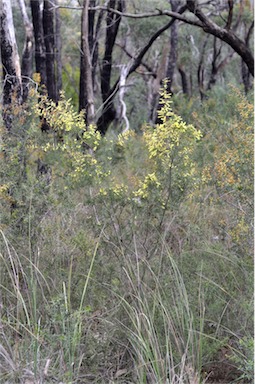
point(126, 191)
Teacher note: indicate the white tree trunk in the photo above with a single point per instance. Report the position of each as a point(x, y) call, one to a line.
point(9, 50)
point(10, 62)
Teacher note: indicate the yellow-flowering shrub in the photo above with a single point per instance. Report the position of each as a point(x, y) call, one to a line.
point(171, 140)
point(70, 139)
point(170, 145)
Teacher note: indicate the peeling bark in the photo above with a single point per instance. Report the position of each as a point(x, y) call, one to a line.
point(12, 90)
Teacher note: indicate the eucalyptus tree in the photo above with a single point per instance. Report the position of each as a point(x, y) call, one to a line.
point(120, 39)
point(27, 54)
point(201, 15)
point(12, 88)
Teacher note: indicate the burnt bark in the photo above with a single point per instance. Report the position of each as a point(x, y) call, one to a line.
point(93, 40)
point(184, 80)
point(40, 51)
point(245, 73)
point(218, 64)
point(91, 25)
point(86, 95)
point(230, 14)
point(58, 47)
point(201, 70)
point(112, 25)
point(214, 67)
point(173, 49)
point(49, 40)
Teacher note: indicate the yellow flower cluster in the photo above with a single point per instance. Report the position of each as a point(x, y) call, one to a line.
point(171, 137)
point(149, 182)
point(124, 137)
point(117, 191)
point(91, 137)
point(70, 137)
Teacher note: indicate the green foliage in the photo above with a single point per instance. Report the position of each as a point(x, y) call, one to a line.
point(244, 358)
point(127, 257)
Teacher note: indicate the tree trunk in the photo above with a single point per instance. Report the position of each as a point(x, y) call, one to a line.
point(184, 79)
point(201, 70)
point(173, 50)
point(12, 91)
point(49, 40)
point(245, 72)
point(109, 113)
point(27, 55)
point(58, 52)
point(94, 29)
point(112, 25)
point(86, 97)
point(218, 65)
point(214, 68)
point(40, 54)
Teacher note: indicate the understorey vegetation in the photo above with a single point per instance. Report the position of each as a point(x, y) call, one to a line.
point(127, 258)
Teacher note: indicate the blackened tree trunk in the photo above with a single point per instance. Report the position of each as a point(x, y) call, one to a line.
point(112, 25)
point(12, 90)
point(49, 40)
point(214, 68)
point(27, 55)
point(86, 96)
point(184, 80)
point(91, 25)
point(47, 34)
point(217, 64)
point(201, 70)
point(173, 49)
point(58, 51)
point(40, 52)
point(245, 72)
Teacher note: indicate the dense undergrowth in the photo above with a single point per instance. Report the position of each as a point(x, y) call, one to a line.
point(128, 258)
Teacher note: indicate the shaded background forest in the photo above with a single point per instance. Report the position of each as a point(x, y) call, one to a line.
point(93, 49)
point(126, 191)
